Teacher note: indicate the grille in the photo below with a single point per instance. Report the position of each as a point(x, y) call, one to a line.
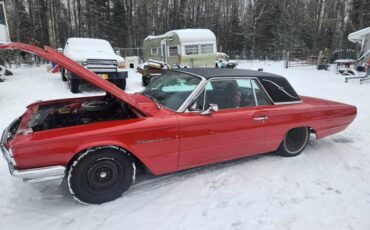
point(100, 65)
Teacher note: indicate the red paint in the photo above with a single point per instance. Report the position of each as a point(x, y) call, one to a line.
point(175, 141)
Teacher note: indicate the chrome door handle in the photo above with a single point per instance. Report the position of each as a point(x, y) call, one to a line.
point(260, 118)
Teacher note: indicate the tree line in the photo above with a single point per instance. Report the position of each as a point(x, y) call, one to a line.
point(245, 27)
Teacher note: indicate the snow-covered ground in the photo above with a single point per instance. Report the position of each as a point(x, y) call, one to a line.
point(326, 187)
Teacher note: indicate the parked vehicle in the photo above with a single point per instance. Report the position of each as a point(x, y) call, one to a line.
point(187, 118)
point(98, 56)
point(223, 61)
point(188, 47)
point(151, 69)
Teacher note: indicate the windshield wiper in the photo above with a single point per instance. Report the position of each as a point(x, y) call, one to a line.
point(154, 100)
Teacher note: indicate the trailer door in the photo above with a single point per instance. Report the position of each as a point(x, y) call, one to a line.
point(4, 31)
point(164, 50)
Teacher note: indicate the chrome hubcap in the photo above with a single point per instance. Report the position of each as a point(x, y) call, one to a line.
point(103, 174)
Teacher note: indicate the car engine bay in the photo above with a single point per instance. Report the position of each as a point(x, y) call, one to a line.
point(72, 113)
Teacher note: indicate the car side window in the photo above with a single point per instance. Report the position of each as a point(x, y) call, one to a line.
point(229, 93)
point(261, 96)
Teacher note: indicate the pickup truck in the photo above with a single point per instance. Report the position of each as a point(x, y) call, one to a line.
point(98, 56)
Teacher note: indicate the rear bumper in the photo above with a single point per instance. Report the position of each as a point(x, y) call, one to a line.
point(33, 175)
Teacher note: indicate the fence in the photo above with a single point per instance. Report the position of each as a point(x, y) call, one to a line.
point(303, 58)
point(127, 52)
point(11, 58)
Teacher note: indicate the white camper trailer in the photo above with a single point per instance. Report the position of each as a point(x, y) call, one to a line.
point(362, 37)
point(4, 31)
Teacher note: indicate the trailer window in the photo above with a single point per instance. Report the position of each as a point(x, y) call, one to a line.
point(191, 49)
point(206, 49)
point(2, 16)
point(172, 51)
point(154, 51)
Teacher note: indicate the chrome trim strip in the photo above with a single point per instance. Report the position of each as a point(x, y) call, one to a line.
point(280, 88)
point(195, 92)
point(254, 93)
point(33, 175)
point(265, 91)
point(8, 155)
point(288, 102)
point(40, 174)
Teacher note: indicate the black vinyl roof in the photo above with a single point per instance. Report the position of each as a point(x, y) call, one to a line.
point(277, 87)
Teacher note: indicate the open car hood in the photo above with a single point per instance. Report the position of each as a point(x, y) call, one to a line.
point(56, 57)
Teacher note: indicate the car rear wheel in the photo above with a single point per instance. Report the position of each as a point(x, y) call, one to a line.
point(294, 142)
point(100, 175)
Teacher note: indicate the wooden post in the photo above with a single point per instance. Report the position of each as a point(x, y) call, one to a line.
point(287, 60)
point(319, 59)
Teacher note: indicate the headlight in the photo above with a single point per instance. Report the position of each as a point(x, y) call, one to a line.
point(121, 64)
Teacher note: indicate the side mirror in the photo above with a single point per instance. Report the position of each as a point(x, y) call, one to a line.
point(212, 108)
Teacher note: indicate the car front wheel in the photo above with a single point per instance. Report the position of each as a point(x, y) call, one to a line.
point(294, 142)
point(100, 175)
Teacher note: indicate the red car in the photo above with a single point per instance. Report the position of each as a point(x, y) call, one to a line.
point(184, 119)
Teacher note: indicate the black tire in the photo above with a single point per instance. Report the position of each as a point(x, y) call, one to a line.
point(121, 83)
point(75, 84)
point(100, 175)
point(62, 72)
point(294, 142)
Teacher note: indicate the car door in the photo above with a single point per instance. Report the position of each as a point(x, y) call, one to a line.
point(231, 132)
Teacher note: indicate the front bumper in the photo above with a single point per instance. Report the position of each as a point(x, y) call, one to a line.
point(33, 175)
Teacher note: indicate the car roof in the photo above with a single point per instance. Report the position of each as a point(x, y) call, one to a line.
point(277, 87)
point(224, 72)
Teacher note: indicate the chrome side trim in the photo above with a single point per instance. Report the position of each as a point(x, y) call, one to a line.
point(194, 94)
point(254, 92)
point(8, 155)
point(40, 174)
point(280, 88)
point(288, 102)
point(32, 175)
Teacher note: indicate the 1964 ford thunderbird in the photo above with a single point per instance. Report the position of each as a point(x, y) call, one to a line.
point(184, 119)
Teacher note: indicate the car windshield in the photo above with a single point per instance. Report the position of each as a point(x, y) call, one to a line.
point(172, 89)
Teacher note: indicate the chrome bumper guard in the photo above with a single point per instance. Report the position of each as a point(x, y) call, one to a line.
point(33, 175)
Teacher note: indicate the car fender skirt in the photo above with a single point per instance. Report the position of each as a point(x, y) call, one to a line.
point(40, 174)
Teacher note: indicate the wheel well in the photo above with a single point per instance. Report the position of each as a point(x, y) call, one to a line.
point(137, 161)
point(312, 131)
